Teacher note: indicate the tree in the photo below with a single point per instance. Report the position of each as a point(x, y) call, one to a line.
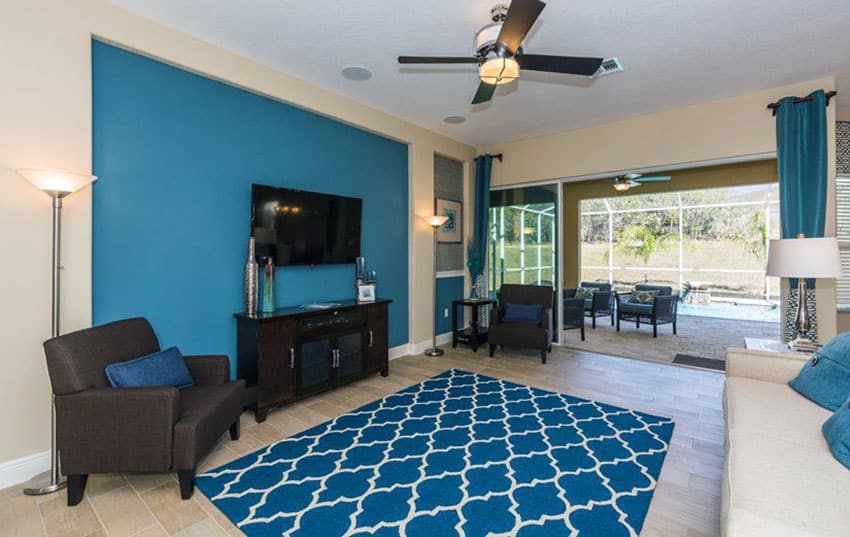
point(641, 242)
point(754, 238)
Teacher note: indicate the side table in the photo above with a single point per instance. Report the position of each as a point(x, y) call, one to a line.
point(473, 335)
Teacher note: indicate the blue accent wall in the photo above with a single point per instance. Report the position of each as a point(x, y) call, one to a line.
point(175, 154)
point(448, 289)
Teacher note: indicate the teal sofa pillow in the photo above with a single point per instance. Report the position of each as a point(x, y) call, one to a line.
point(164, 368)
point(836, 430)
point(825, 379)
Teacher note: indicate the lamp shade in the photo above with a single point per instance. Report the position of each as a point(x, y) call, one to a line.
point(804, 258)
point(436, 220)
point(57, 182)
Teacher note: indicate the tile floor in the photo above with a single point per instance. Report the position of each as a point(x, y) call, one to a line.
point(686, 502)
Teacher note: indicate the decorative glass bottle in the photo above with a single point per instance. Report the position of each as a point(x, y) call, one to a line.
point(268, 287)
point(250, 283)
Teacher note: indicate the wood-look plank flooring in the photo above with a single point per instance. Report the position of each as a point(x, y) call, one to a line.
point(686, 502)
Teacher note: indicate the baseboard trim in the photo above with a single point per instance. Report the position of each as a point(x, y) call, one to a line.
point(19, 470)
point(412, 349)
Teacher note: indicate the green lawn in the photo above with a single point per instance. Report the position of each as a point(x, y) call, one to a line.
point(720, 254)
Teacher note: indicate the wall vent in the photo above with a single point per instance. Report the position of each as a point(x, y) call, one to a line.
point(609, 65)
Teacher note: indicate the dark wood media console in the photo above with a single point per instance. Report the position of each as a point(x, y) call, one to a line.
point(297, 352)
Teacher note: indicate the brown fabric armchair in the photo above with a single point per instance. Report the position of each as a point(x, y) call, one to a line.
point(100, 429)
point(533, 335)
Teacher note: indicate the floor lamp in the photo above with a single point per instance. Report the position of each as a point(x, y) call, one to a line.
point(435, 222)
point(58, 185)
point(803, 258)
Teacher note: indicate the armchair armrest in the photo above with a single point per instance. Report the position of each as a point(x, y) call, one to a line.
point(546, 319)
point(776, 367)
point(601, 300)
point(496, 315)
point(664, 306)
point(622, 297)
point(116, 429)
point(209, 370)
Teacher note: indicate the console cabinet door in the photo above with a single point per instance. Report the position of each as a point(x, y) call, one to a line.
point(377, 338)
point(277, 361)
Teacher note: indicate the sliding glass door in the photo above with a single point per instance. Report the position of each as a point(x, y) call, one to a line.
point(524, 239)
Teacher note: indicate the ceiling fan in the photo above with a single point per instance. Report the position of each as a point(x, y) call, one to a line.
point(624, 182)
point(499, 54)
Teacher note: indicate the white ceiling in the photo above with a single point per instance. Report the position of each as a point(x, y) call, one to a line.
point(676, 52)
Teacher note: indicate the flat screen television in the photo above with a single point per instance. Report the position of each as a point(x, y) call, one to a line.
point(296, 227)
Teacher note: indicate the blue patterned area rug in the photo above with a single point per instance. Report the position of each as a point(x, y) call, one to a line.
point(458, 454)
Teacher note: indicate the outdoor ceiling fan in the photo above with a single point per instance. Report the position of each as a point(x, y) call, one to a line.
point(624, 182)
point(499, 54)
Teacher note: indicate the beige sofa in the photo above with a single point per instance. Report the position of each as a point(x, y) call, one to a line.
point(780, 478)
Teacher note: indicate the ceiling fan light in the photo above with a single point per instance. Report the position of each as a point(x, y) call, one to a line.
point(622, 186)
point(499, 71)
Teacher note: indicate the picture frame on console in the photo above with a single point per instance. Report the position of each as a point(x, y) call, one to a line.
point(452, 230)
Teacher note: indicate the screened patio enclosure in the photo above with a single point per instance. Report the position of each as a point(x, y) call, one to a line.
point(710, 244)
point(523, 244)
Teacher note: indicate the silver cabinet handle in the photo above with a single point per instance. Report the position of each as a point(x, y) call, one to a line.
point(335, 362)
point(371, 338)
point(291, 357)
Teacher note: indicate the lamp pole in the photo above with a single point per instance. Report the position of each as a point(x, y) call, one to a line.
point(52, 480)
point(435, 222)
point(57, 184)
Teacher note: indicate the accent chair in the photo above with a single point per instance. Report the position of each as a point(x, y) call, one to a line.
point(574, 315)
point(600, 305)
point(536, 335)
point(101, 429)
point(662, 309)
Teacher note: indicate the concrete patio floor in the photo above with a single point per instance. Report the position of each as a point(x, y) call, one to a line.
point(697, 336)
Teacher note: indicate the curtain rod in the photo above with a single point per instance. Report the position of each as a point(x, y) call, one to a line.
point(496, 156)
point(829, 95)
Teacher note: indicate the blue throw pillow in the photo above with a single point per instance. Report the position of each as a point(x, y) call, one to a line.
point(825, 379)
point(836, 430)
point(163, 368)
point(522, 313)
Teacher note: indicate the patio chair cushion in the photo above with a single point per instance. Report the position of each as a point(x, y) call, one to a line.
point(643, 296)
point(636, 308)
point(586, 292)
point(605, 287)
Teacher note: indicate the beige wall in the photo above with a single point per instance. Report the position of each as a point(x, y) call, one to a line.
point(716, 131)
point(45, 106)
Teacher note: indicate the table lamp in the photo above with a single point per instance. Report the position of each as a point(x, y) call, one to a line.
point(435, 222)
point(57, 184)
point(803, 258)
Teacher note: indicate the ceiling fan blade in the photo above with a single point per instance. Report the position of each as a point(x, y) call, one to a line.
point(654, 179)
point(485, 93)
point(437, 59)
point(520, 18)
point(570, 65)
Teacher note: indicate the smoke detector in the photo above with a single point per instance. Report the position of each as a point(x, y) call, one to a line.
point(609, 66)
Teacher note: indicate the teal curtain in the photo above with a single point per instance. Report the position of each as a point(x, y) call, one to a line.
point(801, 150)
point(477, 258)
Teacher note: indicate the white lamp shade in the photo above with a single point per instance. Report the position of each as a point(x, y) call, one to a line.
point(436, 221)
point(57, 181)
point(804, 258)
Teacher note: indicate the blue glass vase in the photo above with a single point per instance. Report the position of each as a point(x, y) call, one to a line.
point(268, 287)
